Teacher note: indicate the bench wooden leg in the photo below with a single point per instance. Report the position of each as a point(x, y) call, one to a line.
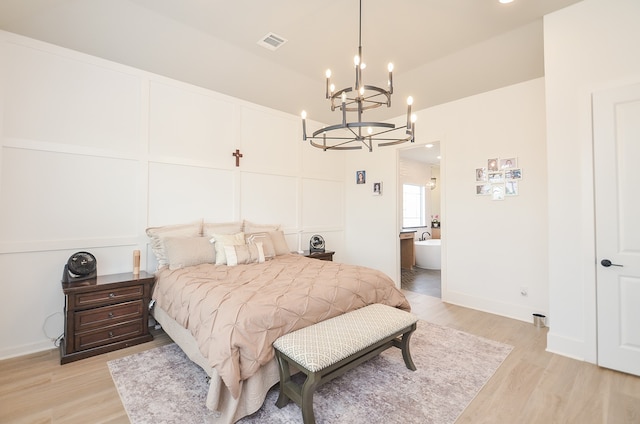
point(309, 386)
point(406, 353)
point(403, 344)
point(285, 379)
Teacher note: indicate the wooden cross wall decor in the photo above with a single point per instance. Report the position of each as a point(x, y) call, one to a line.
point(238, 155)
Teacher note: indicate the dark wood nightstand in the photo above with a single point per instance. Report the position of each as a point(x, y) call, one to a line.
point(327, 255)
point(104, 314)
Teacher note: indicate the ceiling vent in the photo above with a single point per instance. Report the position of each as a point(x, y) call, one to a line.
point(271, 41)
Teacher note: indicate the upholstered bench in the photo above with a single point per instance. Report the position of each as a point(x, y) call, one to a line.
point(330, 348)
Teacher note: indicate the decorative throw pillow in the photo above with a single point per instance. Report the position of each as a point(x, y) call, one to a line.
point(279, 242)
point(158, 234)
point(244, 254)
point(222, 240)
point(188, 251)
point(267, 244)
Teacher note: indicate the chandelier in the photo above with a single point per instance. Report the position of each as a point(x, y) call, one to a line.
point(357, 133)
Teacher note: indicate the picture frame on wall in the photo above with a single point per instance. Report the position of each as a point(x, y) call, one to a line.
point(511, 188)
point(377, 189)
point(483, 189)
point(361, 177)
point(481, 174)
point(492, 164)
point(508, 163)
point(513, 174)
point(496, 177)
point(497, 192)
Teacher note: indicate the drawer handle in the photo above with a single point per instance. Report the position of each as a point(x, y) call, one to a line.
point(110, 334)
point(110, 314)
point(112, 295)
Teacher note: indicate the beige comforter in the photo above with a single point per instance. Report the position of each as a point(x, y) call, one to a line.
point(236, 313)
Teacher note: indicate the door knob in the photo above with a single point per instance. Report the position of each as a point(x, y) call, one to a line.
point(607, 263)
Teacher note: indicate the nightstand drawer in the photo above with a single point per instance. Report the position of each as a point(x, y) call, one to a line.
point(105, 297)
point(103, 336)
point(108, 315)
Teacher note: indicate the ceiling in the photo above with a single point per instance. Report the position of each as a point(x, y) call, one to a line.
point(442, 50)
point(424, 153)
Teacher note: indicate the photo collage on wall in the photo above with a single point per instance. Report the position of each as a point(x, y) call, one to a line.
point(499, 179)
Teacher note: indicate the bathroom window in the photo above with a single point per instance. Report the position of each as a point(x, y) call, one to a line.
point(413, 206)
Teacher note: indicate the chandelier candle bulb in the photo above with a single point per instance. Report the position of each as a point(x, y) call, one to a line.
point(390, 68)
point(409, 103)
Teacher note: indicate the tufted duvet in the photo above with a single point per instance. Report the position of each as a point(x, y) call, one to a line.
point(235, 313)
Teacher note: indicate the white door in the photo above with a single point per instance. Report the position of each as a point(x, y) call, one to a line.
point(616, 120)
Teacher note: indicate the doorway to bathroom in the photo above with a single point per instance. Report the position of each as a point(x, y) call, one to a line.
point(419, 207)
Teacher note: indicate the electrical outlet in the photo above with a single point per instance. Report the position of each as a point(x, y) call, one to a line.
point(524, 291)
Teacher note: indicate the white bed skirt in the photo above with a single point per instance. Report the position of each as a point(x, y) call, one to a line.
point(219, 399)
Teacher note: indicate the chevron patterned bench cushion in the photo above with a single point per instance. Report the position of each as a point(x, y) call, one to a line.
point(328, 342)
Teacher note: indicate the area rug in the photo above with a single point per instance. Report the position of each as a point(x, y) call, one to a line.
point(162, 385)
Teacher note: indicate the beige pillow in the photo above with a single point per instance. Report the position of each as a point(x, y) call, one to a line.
point(279, 242)
point(211, 228)
point(251, 227)
point(182, 251)
point(244, 254)
point(267, 244)
point(222, 240)
point(157, 234)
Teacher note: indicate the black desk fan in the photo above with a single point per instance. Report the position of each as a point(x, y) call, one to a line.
point(81, 266)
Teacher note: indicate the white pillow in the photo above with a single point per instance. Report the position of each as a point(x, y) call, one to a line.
point(188, 251)
point(222, 240)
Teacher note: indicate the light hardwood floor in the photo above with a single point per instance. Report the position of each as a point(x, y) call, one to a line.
point(531, 386)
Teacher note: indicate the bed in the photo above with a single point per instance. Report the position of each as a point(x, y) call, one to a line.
point(225, 292)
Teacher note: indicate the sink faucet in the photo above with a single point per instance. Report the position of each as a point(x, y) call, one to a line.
point(422, 237)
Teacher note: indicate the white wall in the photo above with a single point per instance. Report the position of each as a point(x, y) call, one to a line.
point(93, 152)
point(590, 46)
point(490, 248)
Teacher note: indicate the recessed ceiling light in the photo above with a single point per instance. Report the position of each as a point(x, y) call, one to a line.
point(428, 146)
point(505, 1)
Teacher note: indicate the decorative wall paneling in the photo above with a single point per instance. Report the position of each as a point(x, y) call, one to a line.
point(93, 152)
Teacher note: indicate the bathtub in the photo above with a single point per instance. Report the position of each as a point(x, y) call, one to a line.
point(428, 254)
